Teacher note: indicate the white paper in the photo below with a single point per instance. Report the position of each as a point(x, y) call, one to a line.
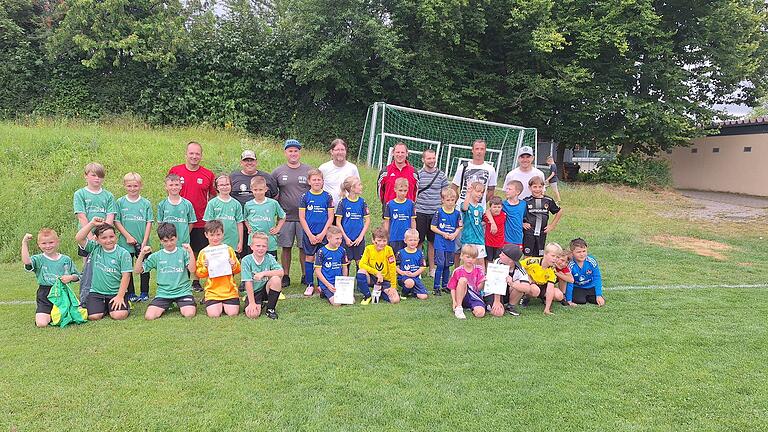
point(496, 279)
point(345, 290)
point(376, 293)
point(218, 261)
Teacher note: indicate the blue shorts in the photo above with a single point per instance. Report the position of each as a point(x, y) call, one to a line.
point(327, 294)
point(472, 300)
point(443, 258)
point(418, 285)
point(355, 253)
point(309, 248)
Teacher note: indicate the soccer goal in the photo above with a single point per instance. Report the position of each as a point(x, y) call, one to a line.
point(450, 136)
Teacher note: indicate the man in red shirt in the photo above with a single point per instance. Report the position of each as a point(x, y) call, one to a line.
point(397, 169)
point(198, 186)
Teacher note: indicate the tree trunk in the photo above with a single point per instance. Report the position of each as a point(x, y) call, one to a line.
point(627, 149)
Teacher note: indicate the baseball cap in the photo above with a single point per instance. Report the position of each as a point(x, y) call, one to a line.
point(292, 143)
point(247, 154)
point(525, 150)
point(512, 251)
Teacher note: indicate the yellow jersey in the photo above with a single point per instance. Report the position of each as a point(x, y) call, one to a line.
point(383, 261)
point(222, 287)
point(536, 272)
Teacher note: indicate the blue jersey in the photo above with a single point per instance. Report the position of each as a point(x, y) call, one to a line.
point(316, 207)
point(331, 262)
point(513, 227)
point(400, 215)
point(473, 225)
point(410, 261)
point(447, 223)
point(588, 276)
point(353, 215)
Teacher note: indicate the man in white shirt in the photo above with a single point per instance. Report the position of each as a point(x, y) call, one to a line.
point(336, 170)
point(524, 172)
point(476, 170)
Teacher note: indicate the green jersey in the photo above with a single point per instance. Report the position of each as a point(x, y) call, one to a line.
point(172, 276)
point(134, 216)
point(93, 204)
point(108, 267)
point(180, 215)
point(249, 266)
point(230, 213)
point(48, 270)
point(262, 217)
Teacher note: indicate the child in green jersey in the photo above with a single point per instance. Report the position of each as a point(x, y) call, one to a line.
point(264, 214)
point(176, 209)
point(134, 222)
point(173, 265)
point(93, 201)
point(48, 267)
point(262, 276)
point(229, 211)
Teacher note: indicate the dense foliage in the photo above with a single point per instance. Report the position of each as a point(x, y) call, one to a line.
point(634, 170)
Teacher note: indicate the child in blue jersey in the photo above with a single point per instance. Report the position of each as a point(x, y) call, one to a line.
point(447, 225)
point(331, 261)
point(353, 217)
point(588, 281)
point(472, 219)
point(410, 266)
point(399, 215)
point(134, 222)
point(515, 210)
point(315, 216)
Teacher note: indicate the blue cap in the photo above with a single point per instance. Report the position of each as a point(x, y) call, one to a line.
point(292, 143)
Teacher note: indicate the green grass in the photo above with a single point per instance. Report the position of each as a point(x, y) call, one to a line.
point(671, 359)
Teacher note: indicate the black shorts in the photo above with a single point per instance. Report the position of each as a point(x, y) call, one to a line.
point(259, 297)
point(97, 303)
point(43, 304)
point(355, 252)
point(492, 253)
point(423, 225)
point(396, 245)
point(197, 240)
point(584, 295)
point(489, 300)
point(246, 247)
point(231, 301)
point(542, 291)
point(533, 245)
point(165, 303)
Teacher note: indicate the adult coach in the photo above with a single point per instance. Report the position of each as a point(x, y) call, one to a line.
point(399, 168)
point(476, 170)
point(524, 172)
point(336, 170)
point(241, 186)
point(198, 186)
point(431, 182)
point(291, 178)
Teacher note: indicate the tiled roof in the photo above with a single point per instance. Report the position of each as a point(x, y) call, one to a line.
point(745, 122)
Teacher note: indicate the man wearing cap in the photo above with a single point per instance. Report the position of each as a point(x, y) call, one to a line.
point(524, 172)
point(291, 179)
point(518, 283)
point(476, 170)
point(241, 185)
point(336, 170)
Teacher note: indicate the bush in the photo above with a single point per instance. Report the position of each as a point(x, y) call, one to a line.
point(634, 170)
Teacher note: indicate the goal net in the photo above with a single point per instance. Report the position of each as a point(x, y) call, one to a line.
point(450, 136)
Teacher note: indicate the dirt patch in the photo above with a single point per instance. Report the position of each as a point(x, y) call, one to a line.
point(706, 248)
point(699, 207)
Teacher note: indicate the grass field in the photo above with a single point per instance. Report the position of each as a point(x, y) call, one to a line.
point(652, 359)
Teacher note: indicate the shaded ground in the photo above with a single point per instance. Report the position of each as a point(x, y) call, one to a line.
point(716, 206)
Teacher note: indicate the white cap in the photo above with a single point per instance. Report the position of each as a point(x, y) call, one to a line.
point(525, 150)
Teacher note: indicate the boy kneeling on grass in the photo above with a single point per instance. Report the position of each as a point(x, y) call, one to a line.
point(262, 276)
point(541, 273)
point(410, 266)
point(587, 286)
point(173, 265)
point(221, 293)
point(378, 270)
point(518, 283)
point(330, 262)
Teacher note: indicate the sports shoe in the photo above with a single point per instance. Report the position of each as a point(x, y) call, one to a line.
point(286, 281)
point(524, 301)
point(196, 287)
point(459, 313)
point(143, 297)
point(437, 292)
point(512, 310)
point(366, 301)
point(432, 273)
point(281, 296)
point(564, 302)
point(133, 298)
point(271, 314)
point(309, 291)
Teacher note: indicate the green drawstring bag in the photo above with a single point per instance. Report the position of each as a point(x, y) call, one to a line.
point(65, 306)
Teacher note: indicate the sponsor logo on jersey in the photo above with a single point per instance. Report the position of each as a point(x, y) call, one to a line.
point(199, 181)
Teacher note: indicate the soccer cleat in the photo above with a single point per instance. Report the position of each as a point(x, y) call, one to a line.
point(133, 298)
point(524, 301)
point(309, 291)
point(458, 312)
point(564, 302)
point(196, 287)
point(366, 301)
point(437, 292)
point(143, 297)
point(271, 314)
point(286, 281)
point(281, 296)
point(512, 310)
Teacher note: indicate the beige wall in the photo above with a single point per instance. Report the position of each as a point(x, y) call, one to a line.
point(730, 170)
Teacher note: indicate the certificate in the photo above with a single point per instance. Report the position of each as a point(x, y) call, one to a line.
point(345, 290)
point(496, 279)
point(218, 261)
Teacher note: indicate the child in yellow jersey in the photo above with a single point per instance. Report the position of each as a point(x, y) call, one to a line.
point(378, 269)
point(220, 292)
point(541, 272)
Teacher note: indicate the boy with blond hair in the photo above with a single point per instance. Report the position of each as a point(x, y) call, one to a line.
point(134, 222)
point(331, 261)
point(378, 270)
point(410, 266)
point(541, 273)
point(447, 225)
point(262, 276)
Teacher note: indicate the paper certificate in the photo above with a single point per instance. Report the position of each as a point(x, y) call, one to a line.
point(496, 279)
point(345, 290)
point(218, 261)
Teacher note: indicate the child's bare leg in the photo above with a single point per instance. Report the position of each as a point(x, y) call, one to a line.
point(562, 285)
point(479, 312)
point(95, 317)
point(332, 301)
point(394, 297)
point(255, 314)
point(188, 311)
point(551, 294)
point(214, 310)
point(231, 310)
point(153, 312)
point(422, 296)
point(458, 294)
point(431, 255)
point(42, 319)
point(119, 314)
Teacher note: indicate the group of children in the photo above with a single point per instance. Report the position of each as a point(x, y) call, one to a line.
point(114, 232)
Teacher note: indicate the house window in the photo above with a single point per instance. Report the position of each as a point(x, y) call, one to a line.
point(747, 149)
point(694, 150)
point(715, 149)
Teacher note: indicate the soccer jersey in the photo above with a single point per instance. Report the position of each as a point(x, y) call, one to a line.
point(400, 215)
point(384, 261)
point(107, 267)
point(353, 214)
point(516, 271)
point(447, 223)
point(331, 262)
point(48, 271)
point(474, 278)
point(221, 287)
point(172, 275)
point(513, 227)
point(230, 213)
point(586, 277)
point(198, 187)
point(472, 220)
point(537, 212)
point(180, 215)
point(133, 215)
point(316, 207)
point(241, 185)
point(249, 266)
point(262, 217)
point(410, 261)
point(536, 273)
point(94, 204)
point(495, 240)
